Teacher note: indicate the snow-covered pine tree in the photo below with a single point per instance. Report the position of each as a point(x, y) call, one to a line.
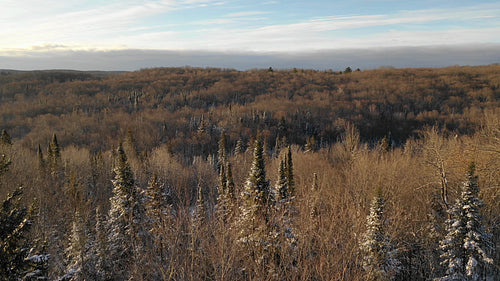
point(285, 244)
point(466, 244)
point(158, 209)
point(200, 212)
point(16, 259)
point(159, 217)
point(121, 216)
point(54, 155)
point(379, 255)
point(75, 252)
point(239, 147)
point(255, 228)
point(99, 250)
point(221, 153)
point(289, 172)
point(39, 259)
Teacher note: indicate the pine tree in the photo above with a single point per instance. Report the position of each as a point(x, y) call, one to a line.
point(39, 260)
point(158, 211)
point(379, 255)
point(225, 188)
point(54, 155)
point(466, 245)
point(314, 213)
point(16, 258)
point(289, 172)
point(281, 187)
point(122, 213)
point(41, 160)
point(285, 244)
point(99, 250)
point(4, 164)
point(221, 154)
point(239, 147)
point(200, 212)
point(5, 138)
point(256, 232)
point(75, 252)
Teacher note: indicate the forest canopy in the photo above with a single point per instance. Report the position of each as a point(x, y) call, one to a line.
point(218, 174)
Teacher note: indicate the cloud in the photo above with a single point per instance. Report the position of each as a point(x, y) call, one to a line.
point(245, 14)
point(400, 57)
point(128, 24)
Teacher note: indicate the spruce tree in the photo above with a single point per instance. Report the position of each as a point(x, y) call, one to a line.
point(239, 147)
point(54, 155)
point(122, 213)
point(379, 255)
point(256, 232)
point(466, 245)
point(99, 254)
point(158, 211)
point(286, 241)
point(5, 138)
point(225, 187)
point(75, 252)
point(17, 259)
point(200, 212)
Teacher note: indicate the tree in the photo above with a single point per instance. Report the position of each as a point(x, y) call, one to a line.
point(255, 227)
point(99, 250)
point(466, 244)
point(379, 255)
point(17, 258)
point(286, 242)
point(54, 155)
point(75, 252)
point(5, 138)
point(122, 213)
point(239, 147)
point(225, 188)
point(158, 211)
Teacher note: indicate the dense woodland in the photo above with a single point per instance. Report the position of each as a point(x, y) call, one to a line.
point(218, 174)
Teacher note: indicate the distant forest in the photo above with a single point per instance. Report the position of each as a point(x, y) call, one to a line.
point(218, 174)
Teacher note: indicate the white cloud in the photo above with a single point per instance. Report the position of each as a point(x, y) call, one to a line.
point(246, 14)
point(124, 24)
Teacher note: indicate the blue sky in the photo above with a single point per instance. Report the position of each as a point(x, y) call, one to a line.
point(37, 28)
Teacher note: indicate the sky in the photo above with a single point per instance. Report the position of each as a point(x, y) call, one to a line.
point(321, 34)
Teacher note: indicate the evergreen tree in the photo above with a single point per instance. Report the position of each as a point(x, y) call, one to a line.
point(75, 252)
point(239, 147)
point(99, 250)
point(200, 212)
point(122, 214)
point(225, 187)
point(5, 138)
point(281, 188)
point(285, 244)
point(314, 213)
point(466, 245)
point(41, 160)
point(158, 211)
point(379, 260)
point(54, 155)
point(39, 260)
point(4, 164)
point(256, 232)
point(289, 172)
point(17, 260)
point(221, 153)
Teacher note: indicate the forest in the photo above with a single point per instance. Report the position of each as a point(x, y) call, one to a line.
point(218, 174)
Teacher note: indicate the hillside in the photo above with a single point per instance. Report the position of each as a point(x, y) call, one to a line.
point(218, 174)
